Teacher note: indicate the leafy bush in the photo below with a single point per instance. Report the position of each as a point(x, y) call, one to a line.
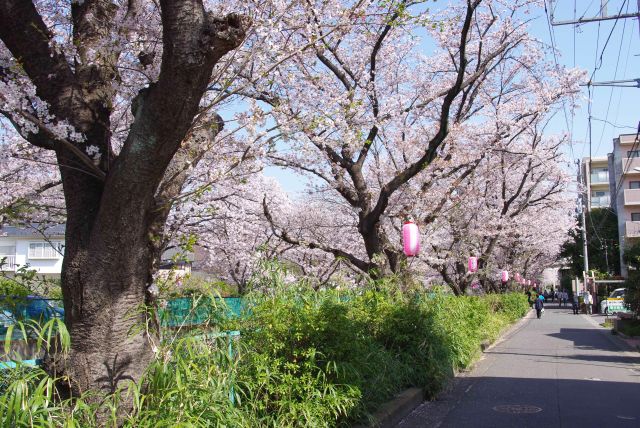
point(630, 328)
point(305, 358)
point(367, 345)
point(632, 296)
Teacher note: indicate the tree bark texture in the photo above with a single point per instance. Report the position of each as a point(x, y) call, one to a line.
point(116, 213)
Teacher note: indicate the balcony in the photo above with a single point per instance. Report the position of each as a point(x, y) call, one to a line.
point(632, 229)
point(600, 178)
point(600, 201)
point(632, 196)
point(629, 165)
point(8, 262)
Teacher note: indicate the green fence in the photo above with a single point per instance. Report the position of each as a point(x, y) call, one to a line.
point(187, 311)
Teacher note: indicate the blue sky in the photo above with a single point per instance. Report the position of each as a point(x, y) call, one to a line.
point(614, 110)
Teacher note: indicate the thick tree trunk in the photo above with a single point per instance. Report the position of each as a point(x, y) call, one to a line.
point(384, 259)
point(104, 281)
point(115, 210)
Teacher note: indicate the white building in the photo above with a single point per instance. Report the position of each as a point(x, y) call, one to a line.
point(624, 168)
point(40, 250)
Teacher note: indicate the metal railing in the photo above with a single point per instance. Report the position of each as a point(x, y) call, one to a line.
point(600, 177)
point(600, 201)
point(7, 262)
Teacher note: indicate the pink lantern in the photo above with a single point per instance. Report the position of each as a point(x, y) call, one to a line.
point(505, 276)
point(528, 282)
point(473, 264)
point(518, 278)
point(410, 239)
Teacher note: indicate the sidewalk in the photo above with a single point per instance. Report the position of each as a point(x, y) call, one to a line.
point(563, 370)
point(632, 343)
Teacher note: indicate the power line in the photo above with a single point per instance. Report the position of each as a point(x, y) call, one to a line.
point(615, 74)
point(624, 73)
point(555, 59)
point(597, 65)
point(613, 125)
point(607, 41)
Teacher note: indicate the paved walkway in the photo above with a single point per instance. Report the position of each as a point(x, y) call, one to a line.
point(562, 370)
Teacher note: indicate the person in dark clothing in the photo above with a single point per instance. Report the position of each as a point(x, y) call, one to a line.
point(539, 305)
point(574, 304)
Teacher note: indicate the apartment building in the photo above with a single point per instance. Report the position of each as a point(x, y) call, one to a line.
point(624, 169)
point(31, 246)
point(596, 177)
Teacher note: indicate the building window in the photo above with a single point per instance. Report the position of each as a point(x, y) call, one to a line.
point(44, 250)
point(635, 216)
point(634, 185)
point(633, 153)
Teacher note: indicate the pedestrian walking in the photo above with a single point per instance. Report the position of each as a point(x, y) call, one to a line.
point(539, 305)
point(575, 304)
point(588, 301)
point(565, 297)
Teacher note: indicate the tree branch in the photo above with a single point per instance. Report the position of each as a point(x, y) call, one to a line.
point(284, 236)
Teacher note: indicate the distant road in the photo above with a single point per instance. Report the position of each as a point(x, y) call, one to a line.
point(562, 370)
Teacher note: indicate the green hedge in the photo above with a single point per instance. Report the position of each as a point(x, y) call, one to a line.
point(366, 347)
point(320, 359)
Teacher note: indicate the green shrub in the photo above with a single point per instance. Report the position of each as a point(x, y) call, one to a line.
point(630, 327)
point(632, 296)
point(305, 358)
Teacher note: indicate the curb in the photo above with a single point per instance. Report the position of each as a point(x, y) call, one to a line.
point(615, 339)
point(510, 331)
point(392, 412)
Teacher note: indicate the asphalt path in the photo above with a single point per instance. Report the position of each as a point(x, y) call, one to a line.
point(562, 370)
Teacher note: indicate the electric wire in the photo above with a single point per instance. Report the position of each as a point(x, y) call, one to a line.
point(615, 74)
point(557, 65)
point(597, 66)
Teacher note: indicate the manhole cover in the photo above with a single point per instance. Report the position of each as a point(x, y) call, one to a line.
point(517, 409)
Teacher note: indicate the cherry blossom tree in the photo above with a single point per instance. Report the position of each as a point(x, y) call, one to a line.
point(383, 127)
point(512, 213)
point(31, 185)
point(113, 92)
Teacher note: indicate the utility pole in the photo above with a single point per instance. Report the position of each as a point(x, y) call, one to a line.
point(606, 255)
point(584, 223)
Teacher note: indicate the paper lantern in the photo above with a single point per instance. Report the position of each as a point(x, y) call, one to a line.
point(505, 276)
point(473, 264)
point(410, 239)
point(518, 278)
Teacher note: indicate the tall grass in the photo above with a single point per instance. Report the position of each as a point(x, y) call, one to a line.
point(305, 359)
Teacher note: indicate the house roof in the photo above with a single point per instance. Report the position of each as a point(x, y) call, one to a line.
point(33, 230)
